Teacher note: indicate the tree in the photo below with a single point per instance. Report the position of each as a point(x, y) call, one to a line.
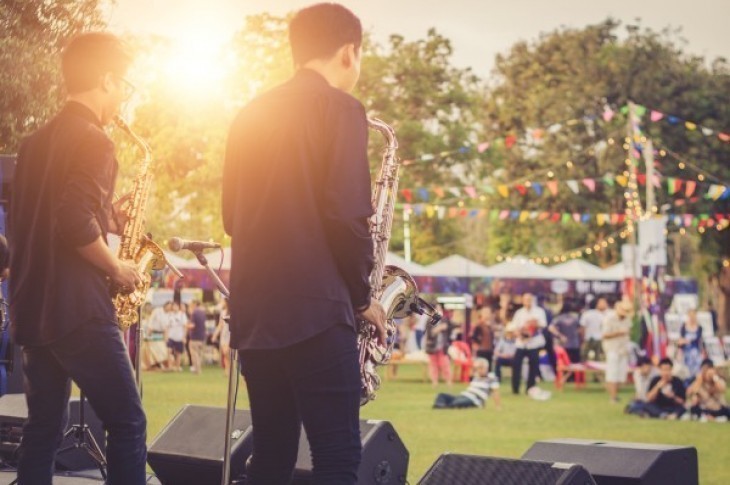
point(34, 32)
point(574, 74)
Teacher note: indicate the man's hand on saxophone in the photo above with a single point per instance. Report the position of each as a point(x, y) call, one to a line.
point(375, 314)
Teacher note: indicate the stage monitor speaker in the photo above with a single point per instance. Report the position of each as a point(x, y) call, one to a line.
point(384, 456)
point(14, 414)
point(617, 463)
point(189, 450)
point(466, 469)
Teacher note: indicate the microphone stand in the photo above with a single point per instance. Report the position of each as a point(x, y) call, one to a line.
point(232, 376)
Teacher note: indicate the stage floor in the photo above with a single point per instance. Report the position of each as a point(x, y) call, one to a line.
point(70, 478)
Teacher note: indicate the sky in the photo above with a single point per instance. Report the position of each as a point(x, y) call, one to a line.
point(478, 29)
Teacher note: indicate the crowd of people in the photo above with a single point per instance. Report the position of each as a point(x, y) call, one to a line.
point(528, 337)
point(178, 332)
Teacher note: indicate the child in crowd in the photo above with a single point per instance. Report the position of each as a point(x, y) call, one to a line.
point(504, 352)
point(175, 333)
point(483, 385)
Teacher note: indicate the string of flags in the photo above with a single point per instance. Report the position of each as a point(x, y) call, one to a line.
point(509, 140)
point(525, 216)
point(656, 116)
point(675, 186)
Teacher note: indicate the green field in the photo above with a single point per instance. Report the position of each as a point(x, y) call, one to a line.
point(406, 402)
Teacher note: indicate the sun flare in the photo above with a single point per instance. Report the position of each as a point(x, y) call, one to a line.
point(195, 63)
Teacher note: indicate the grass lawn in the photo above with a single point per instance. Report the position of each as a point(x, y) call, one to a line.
point(406, 402)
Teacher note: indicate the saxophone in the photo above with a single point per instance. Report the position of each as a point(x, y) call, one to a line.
point(135, 245)
point(392, 286)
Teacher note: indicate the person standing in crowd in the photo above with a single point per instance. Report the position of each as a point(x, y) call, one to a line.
point(198, 334)
point(529, 322)
point(437, 340)
point(175, 336)
point(61, 266)
point(690, 342)
point(591, 323)
point(156, 346)
point(642, 375)
point(504, 351)
point(222, 335)
point(706, 395)
point(483, 333)
point(615, 340)
point(296, 202)
point(666, 395)
point(566, 330)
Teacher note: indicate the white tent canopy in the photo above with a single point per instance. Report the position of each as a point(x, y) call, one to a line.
point(577, 269)
point(414, 269)
point(458, 266)
point(617, 272)
point(519, 267)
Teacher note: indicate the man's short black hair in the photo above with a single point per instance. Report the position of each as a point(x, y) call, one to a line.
point(643, 360)
point(316, 32)
point(89, 56)
point(667, 361)
point(707, 363)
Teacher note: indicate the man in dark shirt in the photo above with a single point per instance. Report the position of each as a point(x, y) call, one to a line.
point(296, 201)
point(62, 314)
point(197, 336)
point(666, 395)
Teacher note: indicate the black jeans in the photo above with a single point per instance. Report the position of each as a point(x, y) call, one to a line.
point(315, 383)
point(498, 363)
point(95, 358)
point(533, 362)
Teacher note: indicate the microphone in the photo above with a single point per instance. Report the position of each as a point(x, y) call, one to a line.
point(176, 244)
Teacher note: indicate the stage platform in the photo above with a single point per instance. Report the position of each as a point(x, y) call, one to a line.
point(70, 478)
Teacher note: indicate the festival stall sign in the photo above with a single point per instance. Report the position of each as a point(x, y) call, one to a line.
point(567, 288)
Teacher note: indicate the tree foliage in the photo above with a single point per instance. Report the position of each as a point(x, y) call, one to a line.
point(34, 32)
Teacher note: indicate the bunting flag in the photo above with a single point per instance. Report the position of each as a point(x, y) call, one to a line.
point(590, 183)
point(471, 192)
point(503, 190)
point(715, 191)
point(689, 188)
point(573, 185)
point(537, 187)
point(553, 187)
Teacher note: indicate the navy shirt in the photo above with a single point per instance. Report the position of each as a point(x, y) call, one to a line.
point(63, 190)
point(198, 319)
point(296, 201)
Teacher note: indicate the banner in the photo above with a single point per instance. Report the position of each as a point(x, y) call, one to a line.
point(653, 241)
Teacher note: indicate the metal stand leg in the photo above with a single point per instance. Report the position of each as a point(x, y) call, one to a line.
point(230, 411)
point(83, 439)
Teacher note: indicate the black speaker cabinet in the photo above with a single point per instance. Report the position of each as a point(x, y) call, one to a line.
point(384, 456)
point(189, 450)
point(13, 415)
point(616, 463)
point(452, 469)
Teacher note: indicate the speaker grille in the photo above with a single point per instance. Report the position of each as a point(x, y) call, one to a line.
point(453, 469)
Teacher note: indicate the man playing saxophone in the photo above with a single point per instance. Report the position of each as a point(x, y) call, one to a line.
point(62, 313)
point(296, 201)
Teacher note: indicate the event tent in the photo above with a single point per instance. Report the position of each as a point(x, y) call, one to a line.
point(617, 272)
point(457, 266)
point(414, 269)
point(577, 269)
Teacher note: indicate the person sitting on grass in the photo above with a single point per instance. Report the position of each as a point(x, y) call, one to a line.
point(483, 385)
point(643, 375)
point(706, 395)
point(666, 395)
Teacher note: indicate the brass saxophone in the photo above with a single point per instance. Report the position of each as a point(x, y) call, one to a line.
point(135, 246)
point(392, 286)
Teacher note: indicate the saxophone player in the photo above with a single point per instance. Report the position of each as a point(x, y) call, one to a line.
point(296, 200)
point(62, 313)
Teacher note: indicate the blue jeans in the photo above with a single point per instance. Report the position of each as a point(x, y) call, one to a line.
point(95, 358)
point(315, 383)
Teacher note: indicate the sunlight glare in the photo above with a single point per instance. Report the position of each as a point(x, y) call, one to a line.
point(194, 63)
